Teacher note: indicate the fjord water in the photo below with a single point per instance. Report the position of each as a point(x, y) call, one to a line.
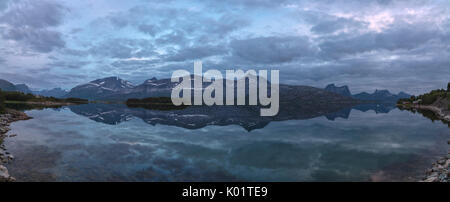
point(93, 144)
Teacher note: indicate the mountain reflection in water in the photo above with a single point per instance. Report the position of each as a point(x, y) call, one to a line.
point(195, 117)
point(372, 142)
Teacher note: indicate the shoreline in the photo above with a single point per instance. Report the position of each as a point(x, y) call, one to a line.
point(437, 111)
point(440, 170)
point(5, 157)
point(43, 104)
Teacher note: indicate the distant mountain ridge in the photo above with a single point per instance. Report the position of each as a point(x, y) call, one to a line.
point(116, 89)
point(378, 95)
point(101, 88)
point(8, 86)
point(381, 95)
point(23, 88)
point(55, 92)
point(343, 90)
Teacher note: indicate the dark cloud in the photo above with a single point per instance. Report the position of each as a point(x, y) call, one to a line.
point(173, 24)
point(250, 3)
point(135, 64)
point(30, 80)
point(151, 30)
point(68, 64)
point(216, 29)
point(398, 36)
point(230, 5)
point(272, 49)
point(76, 30)
point(119, 20)
point(123, 48)
point(332, 25)
point(35, 14)
point(312, 42)
point(196, 53)
point(3, 4)
point(175, 37)
point(74, 52)
point(40, 40)
point(28, 23)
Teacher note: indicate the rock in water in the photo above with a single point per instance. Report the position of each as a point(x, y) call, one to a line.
point(4, 175)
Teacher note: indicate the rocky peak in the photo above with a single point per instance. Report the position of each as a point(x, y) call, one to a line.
point(112, 83)
point(382, 92)
point(343, 90)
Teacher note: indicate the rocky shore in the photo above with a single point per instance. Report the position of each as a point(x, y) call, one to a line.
point(5, 156)
point(440, 172)
point(439, 112)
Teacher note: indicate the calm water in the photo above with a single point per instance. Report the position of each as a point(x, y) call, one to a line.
point(116, 143)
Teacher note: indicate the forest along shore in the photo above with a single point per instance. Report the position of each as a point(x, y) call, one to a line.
point(8, 117)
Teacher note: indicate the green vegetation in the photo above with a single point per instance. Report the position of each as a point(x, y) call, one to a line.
point(154, 103)
point(2, 102)
point(75, 100)
point(427, 98)
point(23, 106)
point(22, 97)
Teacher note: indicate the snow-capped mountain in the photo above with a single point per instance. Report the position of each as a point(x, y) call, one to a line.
point(116, 89)
point(55, 92)
point(154, 88)
point(101, 88)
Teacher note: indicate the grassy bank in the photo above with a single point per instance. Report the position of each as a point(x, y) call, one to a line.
point(439, 98)
point(18, 98)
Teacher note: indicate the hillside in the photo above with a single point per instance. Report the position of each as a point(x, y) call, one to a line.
point(6, 85)
point(437, 101)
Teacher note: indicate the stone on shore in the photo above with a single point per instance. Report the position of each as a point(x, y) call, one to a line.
point(6, 157)
point(4, 175)
point(440, 172)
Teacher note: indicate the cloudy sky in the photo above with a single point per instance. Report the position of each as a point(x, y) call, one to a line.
point(368, 45)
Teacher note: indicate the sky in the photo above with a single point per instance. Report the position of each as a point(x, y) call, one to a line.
point(375, 44)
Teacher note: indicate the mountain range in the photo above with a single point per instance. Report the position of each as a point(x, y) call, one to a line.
point(8, 86)
point(343, 90)
point(378, 95)
point(55, 92)
point(117, 89)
